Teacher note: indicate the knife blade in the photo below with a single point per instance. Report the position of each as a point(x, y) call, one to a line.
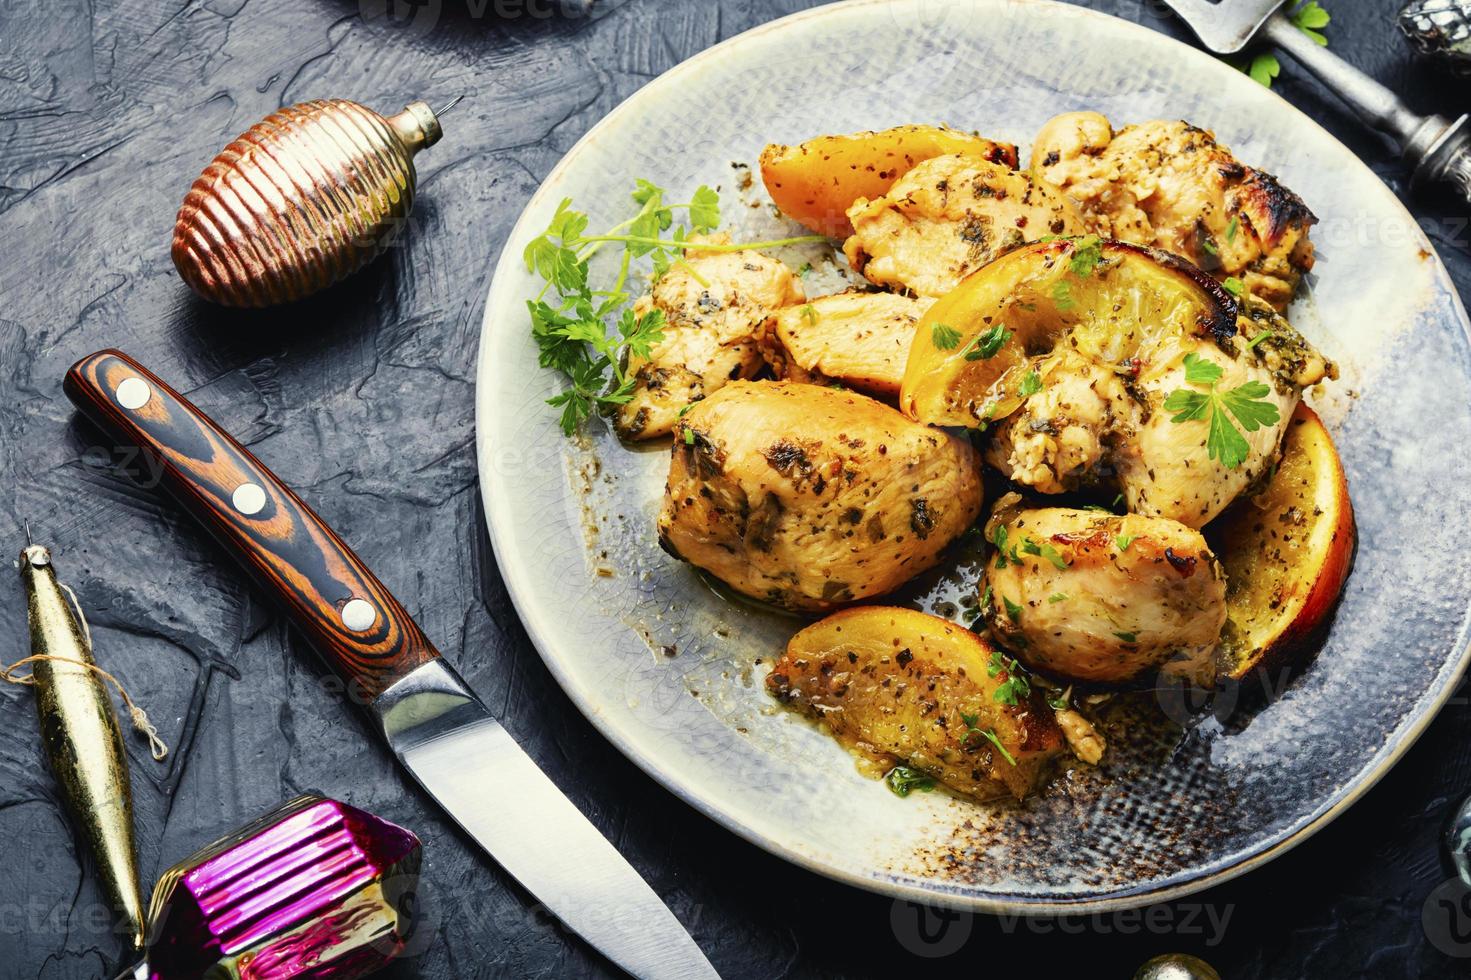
point(436, 726)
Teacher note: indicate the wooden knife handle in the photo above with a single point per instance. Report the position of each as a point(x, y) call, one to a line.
point(359, 628)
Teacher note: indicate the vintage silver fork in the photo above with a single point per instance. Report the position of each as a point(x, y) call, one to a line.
point(1436, 148)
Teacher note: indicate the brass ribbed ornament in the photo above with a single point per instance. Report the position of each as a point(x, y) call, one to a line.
point(303, 198)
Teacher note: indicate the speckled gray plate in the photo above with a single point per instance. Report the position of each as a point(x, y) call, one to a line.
point(669, 671)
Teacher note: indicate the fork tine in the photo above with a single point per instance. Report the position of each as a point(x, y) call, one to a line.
point(1227, 26)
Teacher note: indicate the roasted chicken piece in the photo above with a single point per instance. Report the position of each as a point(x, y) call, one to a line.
point(898, 686)
point(1063, 436)
point(1088, 426)
point(1171, 185)
point(1095, 597)
point(809, 497)
point(949, 216)
point(715, 305)
point(1074, 350)
point(856, 338)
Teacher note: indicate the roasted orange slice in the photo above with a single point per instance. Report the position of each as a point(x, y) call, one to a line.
point(816, 182)
point(1287, 552)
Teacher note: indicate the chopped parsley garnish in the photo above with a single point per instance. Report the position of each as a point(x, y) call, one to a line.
point(987, 598)
point(945, 336)
point(1124, 540)
point(589, 334)
point(689, 437)
point(805, 270)
point(1087, 253)
point(1246, 403)
point(1060, 702)
point(1231, 229)
point(1233, 286)
point(903, 780)
point(1062, 294)
point(1126, 637)
point(1118, 501)
point(809, 313)
point(1012, 610)
point(1015, 688)
point(1208, 247)
point(1031, 384)
point(998, 538)
point(987, 343)
point(999, 747)
point(1045, 550)
point(971, 731)
point(1057, 597)
point(1262, 335)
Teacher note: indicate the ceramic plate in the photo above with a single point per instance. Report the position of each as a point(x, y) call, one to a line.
point(672, 672)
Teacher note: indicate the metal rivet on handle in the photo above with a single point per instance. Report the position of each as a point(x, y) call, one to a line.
point(358, 615)
point(248, 499)
point(133, 393)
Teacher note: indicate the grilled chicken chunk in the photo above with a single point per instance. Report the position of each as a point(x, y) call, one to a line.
point(1061, 438)
point(899, 686)
point(715, 305)
point(859, 339)
point(1091, 426)
point(1096, 597)
point(1171, 185)
point(949, 216)
point(809, 497)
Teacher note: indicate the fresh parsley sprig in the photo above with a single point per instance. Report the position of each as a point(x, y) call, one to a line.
point(1247, 404)
point(588, 334)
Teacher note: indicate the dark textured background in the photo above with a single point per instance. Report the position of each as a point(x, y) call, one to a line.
point(363, 399)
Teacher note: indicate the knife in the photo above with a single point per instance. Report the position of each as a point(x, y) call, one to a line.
point(440, 731)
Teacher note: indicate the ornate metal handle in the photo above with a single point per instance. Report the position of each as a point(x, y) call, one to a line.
point(361, 630)
point(1434, 146)
point(1449, 159)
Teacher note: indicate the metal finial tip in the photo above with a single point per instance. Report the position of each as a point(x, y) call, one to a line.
point(449, 105)
point(27, 525)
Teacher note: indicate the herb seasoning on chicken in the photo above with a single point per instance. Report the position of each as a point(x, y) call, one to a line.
point(1091, 596)
point(948, 217)
point(1172, 186)
point(809, 497)
point(715, 305)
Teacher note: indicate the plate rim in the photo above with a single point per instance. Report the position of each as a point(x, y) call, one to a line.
point(507, 265)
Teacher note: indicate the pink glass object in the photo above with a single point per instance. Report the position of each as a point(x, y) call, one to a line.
point(314, 889)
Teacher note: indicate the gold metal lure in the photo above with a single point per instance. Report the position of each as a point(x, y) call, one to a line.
point(81, 736)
